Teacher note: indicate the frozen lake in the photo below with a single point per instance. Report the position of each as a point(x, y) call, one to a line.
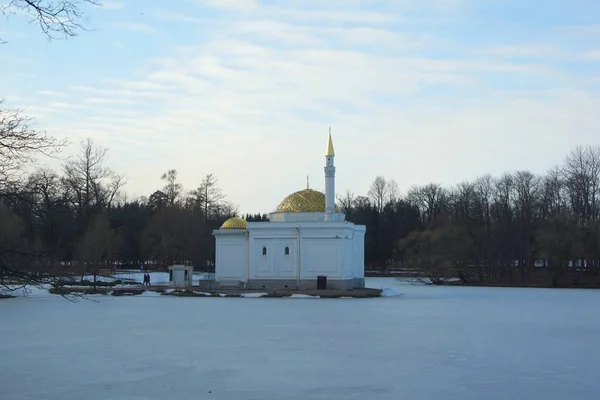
point(430, 343)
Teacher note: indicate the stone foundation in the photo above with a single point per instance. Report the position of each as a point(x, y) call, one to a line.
point(284, 284)
point(305, 284)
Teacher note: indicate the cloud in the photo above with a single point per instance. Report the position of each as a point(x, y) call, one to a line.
point(112, 5)
point(100, 100)
point(168, 15)
point(63, 105)
point(53, 93)
point(526, 50)
point(134, 27)
point(250, 96)
point(123, 89)
point(15, 59)
point(232, 5)
point(591, 55)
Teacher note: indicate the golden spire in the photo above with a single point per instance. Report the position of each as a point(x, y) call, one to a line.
point(330, 151)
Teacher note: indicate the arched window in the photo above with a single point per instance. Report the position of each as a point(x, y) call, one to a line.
point(287, 251)
point(264, 251)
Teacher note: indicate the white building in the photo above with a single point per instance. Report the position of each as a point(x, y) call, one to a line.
point(305, 238)
point(181, 275)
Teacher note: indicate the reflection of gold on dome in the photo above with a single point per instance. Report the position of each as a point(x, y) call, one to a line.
point(306, 200)
point(235, 223)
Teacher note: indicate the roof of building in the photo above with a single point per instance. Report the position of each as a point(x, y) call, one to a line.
point(235, 223)
point(329, 151)
point(306, 200)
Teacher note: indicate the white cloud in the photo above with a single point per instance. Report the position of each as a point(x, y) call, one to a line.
point(134, 26)
point(53, 93)
point(63, 105)
point(592, 55)
point(252, 100)
point(526, 50)
point(112, 5)
point(100, 100)
point(121, 90)
point(169, 15)
point(15, 59)
point(233, 5)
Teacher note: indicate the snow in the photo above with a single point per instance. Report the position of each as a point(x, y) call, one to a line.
point(149, 293)
point(450, 343)
point(389, 292)
point(27, 291)
point(156, 278)
point(253, 295)
point(303, 296)
point(99, 278)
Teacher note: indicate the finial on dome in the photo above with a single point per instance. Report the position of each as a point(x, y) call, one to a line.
point(329, 151)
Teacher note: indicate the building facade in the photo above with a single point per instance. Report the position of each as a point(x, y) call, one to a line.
point(305, 238)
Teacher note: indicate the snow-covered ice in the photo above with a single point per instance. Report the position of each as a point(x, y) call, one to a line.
point(253, 295)
point(156, 278)
point(303, 296)
point(389, 292)
point(447, 343)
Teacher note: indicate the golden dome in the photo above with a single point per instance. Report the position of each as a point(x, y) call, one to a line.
point(306, 200)
point(235, 223)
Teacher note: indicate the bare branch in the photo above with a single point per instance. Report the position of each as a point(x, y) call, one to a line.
point(57, 19)
point(20, 143)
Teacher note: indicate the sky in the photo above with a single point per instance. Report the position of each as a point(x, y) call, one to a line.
point(417, 91)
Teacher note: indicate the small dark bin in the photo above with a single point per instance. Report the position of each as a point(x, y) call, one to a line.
point(321, 282)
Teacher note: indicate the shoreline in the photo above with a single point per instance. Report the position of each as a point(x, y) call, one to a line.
point(195, 291)
point(531, 285)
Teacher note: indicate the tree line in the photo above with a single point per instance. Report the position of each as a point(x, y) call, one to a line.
point(80, 217)
point(518, 228)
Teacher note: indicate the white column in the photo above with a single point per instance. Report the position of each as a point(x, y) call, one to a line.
point(329, 188)
point(329, 180)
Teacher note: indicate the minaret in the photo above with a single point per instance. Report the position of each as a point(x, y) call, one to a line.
point(329, 180)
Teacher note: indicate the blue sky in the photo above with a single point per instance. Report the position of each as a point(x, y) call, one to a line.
point(418, 91)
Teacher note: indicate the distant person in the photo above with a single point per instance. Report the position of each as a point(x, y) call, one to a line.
point(148, 279)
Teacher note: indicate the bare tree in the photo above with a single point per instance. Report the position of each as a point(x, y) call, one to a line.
point(209, 197)
point(12, 248)
point(430, 199)
point(51, 211)
point(22, 262)
point(56, 18)
point(157, 199)
point(465, 201)
point(168, 235)
point(527, 189)
point(439, 254)
point(393, 191)
point(98, 245)
point(91, 186)
point(582, 177)
point(378, 193)
point(553, 200)
point(20, 143)
point(346, 202)
point(172, 189)
point(484, 186)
